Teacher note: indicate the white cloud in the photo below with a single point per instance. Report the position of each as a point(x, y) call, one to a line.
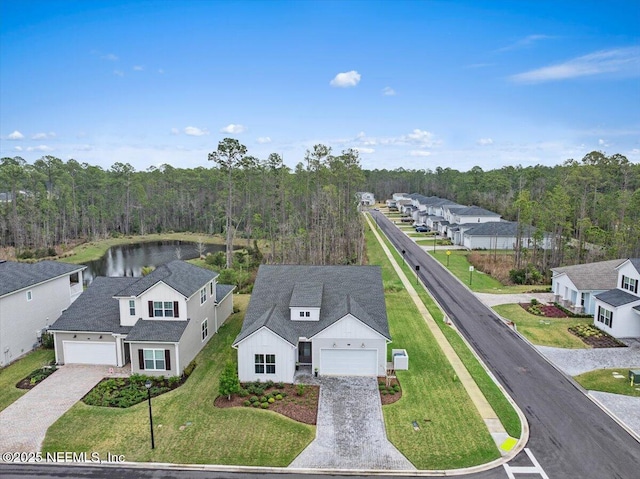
point(111, 57)
point(43, 136)
point(194, 131)
point(119, 73)
point(138, 68)
point(420, 137)
point(346, 79)
point(263, 140)
point(16, 135)
point(364, 150)
point(602, 142)
point(388, 91)
point(635, 151)
point(17, 148)
point(524, 42)
point(620, 60)
point(419, 153)
point(485, 141)
point(234, 129)
point(42, 148)
point(175, 131)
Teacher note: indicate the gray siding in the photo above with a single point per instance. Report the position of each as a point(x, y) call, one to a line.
point(135, 363)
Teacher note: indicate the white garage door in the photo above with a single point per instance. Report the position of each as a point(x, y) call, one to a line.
point(89, 352)
point(349, 362)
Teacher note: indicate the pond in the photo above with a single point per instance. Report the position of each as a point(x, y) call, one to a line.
point(129, 259)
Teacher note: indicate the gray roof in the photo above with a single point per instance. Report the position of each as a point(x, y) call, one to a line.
point(184, 277)
point(475, 211)
point(637, 308)
point(345, 289)
point(443, 202)
point(223, 290)
point(96, 309)
point(498, 228)
point(617, 297)
point(15, 276)
point(169, 331)
point(601, 275)
point(306, 294)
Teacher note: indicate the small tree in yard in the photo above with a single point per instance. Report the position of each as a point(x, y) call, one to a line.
point(229, 383)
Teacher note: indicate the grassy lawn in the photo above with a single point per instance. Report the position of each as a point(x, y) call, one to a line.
point(455, 436)
point(541, 330)
point(13, 373)
point(480, 282)
point(215, 436)
point(603, 380)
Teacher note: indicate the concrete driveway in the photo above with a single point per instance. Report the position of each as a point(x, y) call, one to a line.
point(25, 422)
point(350, 431)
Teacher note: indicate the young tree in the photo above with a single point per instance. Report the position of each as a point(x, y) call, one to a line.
point(229, 383)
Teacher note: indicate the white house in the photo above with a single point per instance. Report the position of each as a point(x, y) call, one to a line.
point(332, 318)
point(575, 287)
point(158, 323)
point(366, 198)
point(32, 297)
point(617, 311)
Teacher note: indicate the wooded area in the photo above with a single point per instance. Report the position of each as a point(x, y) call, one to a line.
point(309, 214)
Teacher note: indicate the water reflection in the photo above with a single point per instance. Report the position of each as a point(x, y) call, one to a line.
point(128, 260)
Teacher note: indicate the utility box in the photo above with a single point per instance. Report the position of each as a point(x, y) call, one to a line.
point(634, 376)
point(401, 359)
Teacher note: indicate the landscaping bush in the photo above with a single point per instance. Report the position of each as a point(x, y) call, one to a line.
point(271, 400)
point(264, 405)
point(256, 404)
point(253, 399)
point(280, 385)
point(300, 389)
point(243, 393)
point(247, 403)
point(47, 340)
point(279, 397)
point(127, 392)
point(37, 375)
point(189, 369)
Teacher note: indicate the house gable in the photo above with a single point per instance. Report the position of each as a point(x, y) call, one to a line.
point(146, 307)
point(348, 327)
point(629, 276)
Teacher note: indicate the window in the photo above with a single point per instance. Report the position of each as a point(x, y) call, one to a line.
point(163, 309)
point(265, 363)
point(154, 360)
point(74, 279)
point(630, 284)
point(305, 314)
point(605, 316)
point(205, 329)
point(203, 295)
point(302, 314)
point(29, 295)
point(132, 307)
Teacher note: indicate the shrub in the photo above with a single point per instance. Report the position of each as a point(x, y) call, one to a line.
point(229, 383)
point(247, 403)
point(300, 389)
point(243, 393)
point(384, 391)
point(263, 399)
point(279, 397)
point(280, 385)
point(189, 369)
point(271, 401)
point(534, 301)
point(253, 399)
point(256, 404)
point(264, 405)
point(174, 380)
point(47, 340)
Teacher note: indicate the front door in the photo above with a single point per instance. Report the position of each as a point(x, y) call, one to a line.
point(304, 352)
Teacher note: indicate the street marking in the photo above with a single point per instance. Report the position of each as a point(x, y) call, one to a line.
point(535, 469)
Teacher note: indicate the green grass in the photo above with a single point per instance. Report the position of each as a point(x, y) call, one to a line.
point(603, 380)
point(542, 330)
point(456, 436)
point(491, 391)
point(216, 436)
point(18, 370)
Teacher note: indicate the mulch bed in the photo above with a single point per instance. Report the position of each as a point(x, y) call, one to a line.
point(601, 340)
point(299, 408)
point(547, 310)
point(38, 376)
point(389, 398)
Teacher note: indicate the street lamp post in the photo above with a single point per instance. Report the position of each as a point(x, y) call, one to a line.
point(417, 269)
point(448, 254)
point(403, 260)
point(147, 384)
point(470, 274)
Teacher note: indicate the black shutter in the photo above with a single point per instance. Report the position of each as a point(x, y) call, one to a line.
point(167, 359)
point(141, 359)
point(151, 309)
point(598, 316)
point(175, 309)
point(622, 282)
point(636, 289)
point(611, 320)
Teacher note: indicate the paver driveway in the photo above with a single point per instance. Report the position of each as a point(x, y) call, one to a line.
point(25, 422)
point(350, 431)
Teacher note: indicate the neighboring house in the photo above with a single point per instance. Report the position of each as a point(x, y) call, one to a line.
point(575, 287)
point(499, 235)
point(617, 311)
point(158, 322)
point(365, 198)
point(332, 318)
point(32, 297)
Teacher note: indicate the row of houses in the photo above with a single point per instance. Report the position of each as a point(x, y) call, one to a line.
point(470, 226)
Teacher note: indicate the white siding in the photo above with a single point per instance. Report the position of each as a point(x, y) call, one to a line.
point(314, 314)
point(265, 341)
point(83, 337)
point(628, 270)
point(158, 292)
point(626, 321)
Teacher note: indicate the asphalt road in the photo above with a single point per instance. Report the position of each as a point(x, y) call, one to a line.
point(570, 436)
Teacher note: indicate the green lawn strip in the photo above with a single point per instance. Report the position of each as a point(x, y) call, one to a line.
point(480, 282)
point(603, 380)
point(494, 395)
point(542, 330)
point(455, 436)
point(240, 436)
point(11, 374)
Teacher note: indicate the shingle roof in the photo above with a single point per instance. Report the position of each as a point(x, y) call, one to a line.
point(601, 275)
point(306, 294)
point(637, 308)
point(498, 228)
point(15, 276)
point(617, 297)
point(475, 211)
point(184, 277)
point(355, 289)
point(223, 290)
point(157, 330)
point(96, 309)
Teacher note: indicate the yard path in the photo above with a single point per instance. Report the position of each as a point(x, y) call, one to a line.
point(24, 423)
point(492, 300)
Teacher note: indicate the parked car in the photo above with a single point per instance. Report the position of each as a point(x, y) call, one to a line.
point(407, 219)
point(422, 229)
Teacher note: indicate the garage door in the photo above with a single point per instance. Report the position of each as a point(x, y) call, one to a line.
point(349, 362)
point(89, 352)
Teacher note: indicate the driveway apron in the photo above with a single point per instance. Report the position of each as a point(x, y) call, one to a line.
point(350, 431)
point(24, 423)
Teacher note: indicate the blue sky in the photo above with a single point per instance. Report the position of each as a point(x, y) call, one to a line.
point(409, 84)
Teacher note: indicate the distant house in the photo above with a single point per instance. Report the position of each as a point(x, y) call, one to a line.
point(331, 318)
point(32, 297)
point(158, 323)
point(500, 235)
point(617, 311)
point(366, 198)
point(575, 287)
